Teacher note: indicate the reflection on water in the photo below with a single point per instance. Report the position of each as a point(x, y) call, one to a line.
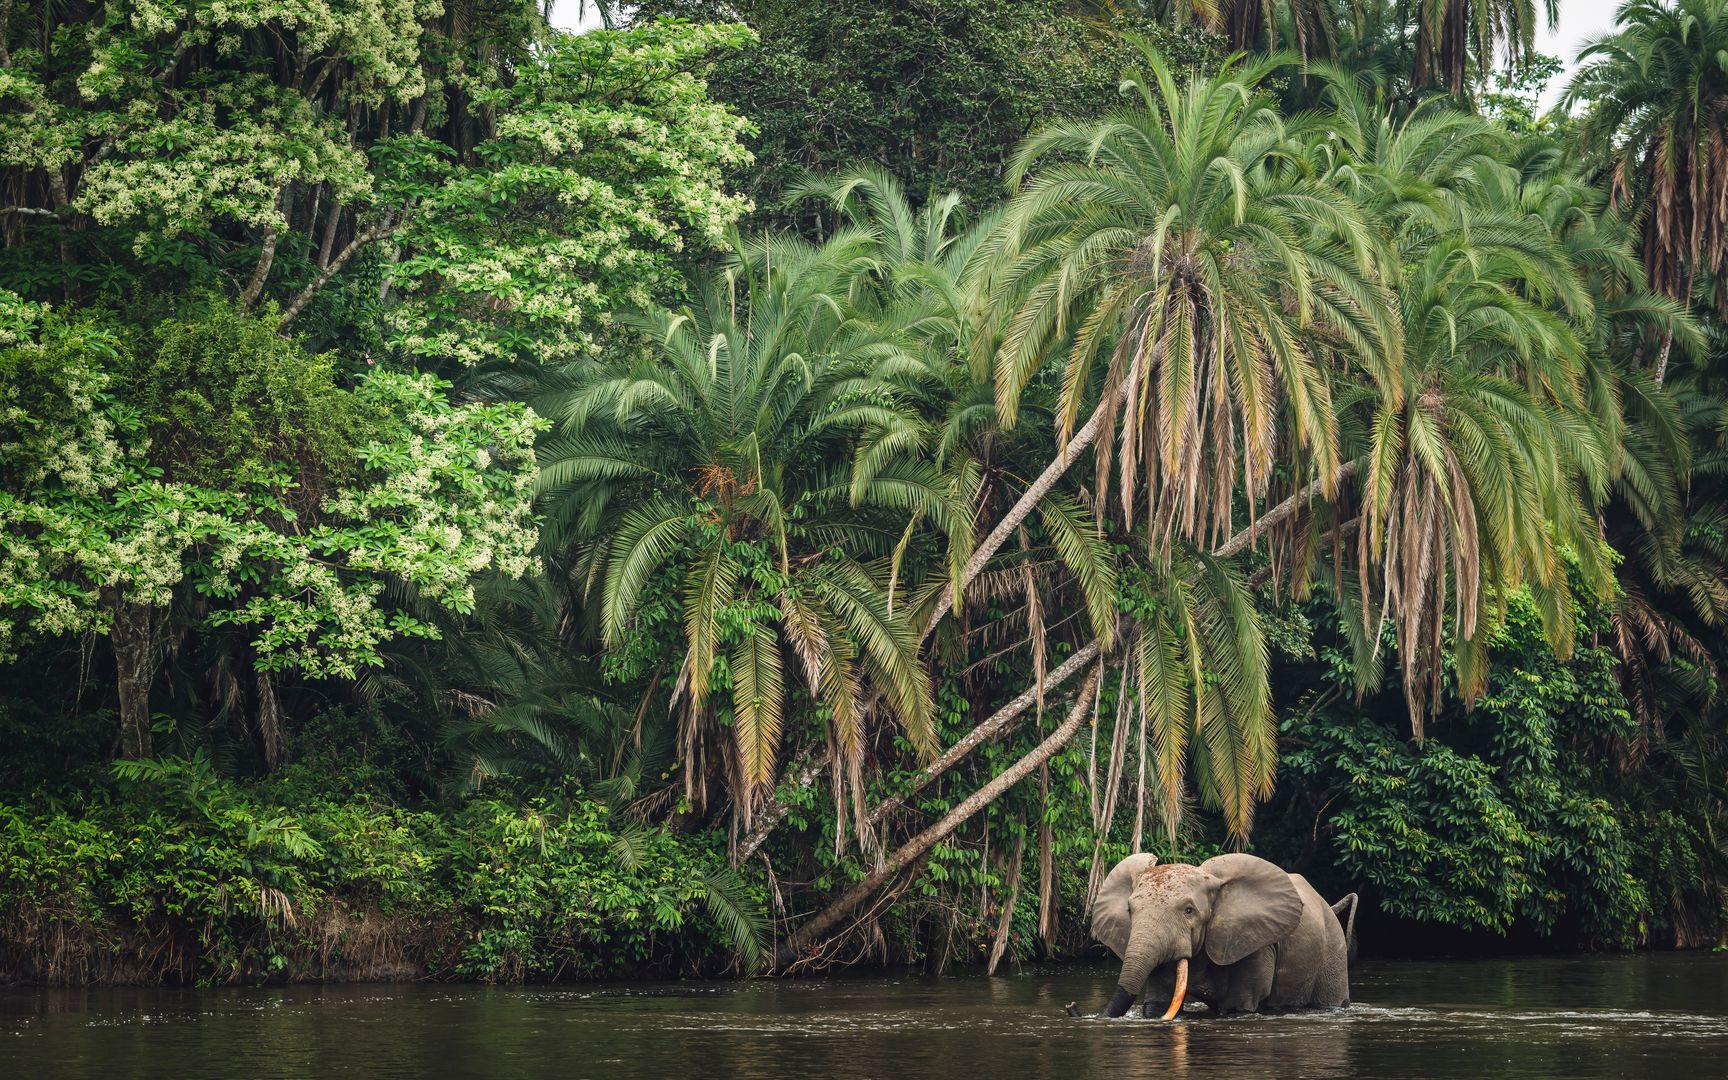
point(1656, 1016)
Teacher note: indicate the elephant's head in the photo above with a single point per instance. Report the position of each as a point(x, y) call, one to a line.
point(1226, 908)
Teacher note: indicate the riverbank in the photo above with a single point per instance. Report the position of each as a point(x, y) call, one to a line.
point(176, 876)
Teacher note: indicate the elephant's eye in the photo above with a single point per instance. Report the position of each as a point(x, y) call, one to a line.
point(1190, 909)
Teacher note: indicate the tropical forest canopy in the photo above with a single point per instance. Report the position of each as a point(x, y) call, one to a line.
point(777, 485)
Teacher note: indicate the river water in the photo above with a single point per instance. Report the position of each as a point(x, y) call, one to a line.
point(1660, 1016)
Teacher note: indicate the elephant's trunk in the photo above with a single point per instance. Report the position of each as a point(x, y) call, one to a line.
point(1119, 1003)
point(1181, 990)
point(1138, 960)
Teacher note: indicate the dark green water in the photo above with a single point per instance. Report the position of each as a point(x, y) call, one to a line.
point(1660, 1016)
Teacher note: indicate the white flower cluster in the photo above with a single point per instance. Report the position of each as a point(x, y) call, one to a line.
point(382, 39)
point(225, 152)
point(456, 499)
point(69, 440)
point(606, 160)
point(450, 496)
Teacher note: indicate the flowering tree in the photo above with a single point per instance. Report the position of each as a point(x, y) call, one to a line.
point(461, 190)
point(107, 520)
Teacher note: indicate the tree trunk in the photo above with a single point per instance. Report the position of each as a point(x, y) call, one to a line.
point(266, 256)
point(991, 727)
point(805, 769)
point(827, 919)
point(134, 633)
point(1282, 512)
point(327, 242)
point(62, 196)
point(985, 551)
point(361, 239)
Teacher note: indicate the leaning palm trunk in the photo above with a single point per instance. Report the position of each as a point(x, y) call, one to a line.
point(806, 769)
point(819, 925)
point(1021, 510)
point(997, 722)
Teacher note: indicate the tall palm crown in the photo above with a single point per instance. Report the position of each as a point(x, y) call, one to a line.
point(1472, 461)
point(1657, 91)
point(712, 472)
point(1471, 487)
point(1661, 520)
point(923, 283)
point(1184, 237)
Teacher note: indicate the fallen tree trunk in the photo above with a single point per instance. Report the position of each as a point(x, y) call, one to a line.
point(828, 918)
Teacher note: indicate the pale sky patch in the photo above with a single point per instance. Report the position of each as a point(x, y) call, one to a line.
point(1580, 21)
point(575, 15)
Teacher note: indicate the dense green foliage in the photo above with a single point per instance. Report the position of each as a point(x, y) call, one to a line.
point(776, 488)
point(171, 871)
point(1502, 823)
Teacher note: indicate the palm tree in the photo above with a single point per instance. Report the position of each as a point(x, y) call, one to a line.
point(924, 286)
point(1181, 245)
point(1484, 462)
point(1670, 580)
point(1481, 471)
point(1197, 651)
point(1452, 33)
point(1185, 236)
point(1657, 97)
point(712, 473)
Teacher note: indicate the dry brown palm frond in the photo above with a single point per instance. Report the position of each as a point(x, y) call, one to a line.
point(1429, 554)
point(1645, 637)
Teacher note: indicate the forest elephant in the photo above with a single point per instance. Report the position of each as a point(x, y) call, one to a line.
point(1235, 932)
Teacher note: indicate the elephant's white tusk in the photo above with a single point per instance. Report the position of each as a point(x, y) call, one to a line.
point(1181, 990)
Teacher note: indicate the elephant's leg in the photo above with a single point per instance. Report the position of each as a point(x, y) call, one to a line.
point(1332, 981)
point(1244, 986)
point(1159, 986)
point(1333, 987)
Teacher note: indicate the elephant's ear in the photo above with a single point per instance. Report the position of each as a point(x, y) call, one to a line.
point(1110, 910)
point(1256, 906)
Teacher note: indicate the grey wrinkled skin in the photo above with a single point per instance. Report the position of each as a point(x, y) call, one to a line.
point(1256, 938)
